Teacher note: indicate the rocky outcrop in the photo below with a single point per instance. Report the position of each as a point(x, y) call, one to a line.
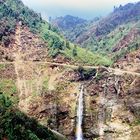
point(110, 109)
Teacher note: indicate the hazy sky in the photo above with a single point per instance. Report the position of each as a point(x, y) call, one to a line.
point(87, 9)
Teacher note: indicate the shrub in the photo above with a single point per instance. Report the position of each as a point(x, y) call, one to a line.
point(86, 74)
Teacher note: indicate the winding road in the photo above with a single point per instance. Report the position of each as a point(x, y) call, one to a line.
point(109, 69)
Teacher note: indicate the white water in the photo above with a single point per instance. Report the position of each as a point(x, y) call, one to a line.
point(79, 134)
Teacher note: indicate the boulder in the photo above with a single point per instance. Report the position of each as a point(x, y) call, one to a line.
point(135, 109)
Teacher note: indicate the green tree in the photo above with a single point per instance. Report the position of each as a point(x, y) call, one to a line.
point(67, 44)
point(74, 52)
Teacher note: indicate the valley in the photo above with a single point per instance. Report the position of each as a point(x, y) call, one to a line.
point(62, 83)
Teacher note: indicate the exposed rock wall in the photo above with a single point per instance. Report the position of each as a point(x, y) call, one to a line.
point(113, 108)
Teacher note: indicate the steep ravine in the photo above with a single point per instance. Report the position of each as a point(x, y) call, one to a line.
point(111, 103)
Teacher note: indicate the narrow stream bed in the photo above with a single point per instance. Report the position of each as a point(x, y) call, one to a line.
point(79, 133)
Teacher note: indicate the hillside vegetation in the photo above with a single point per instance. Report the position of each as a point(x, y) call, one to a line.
point(15, 125)
point(14, 11)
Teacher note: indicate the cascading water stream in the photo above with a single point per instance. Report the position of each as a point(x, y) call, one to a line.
point(79, 134)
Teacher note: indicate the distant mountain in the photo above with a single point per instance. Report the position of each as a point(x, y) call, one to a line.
point(67, 22)
point(71, 26)
point(121, 15)
point(115, 35)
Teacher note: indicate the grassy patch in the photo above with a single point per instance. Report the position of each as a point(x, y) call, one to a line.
point(2, 66)
point(61, 88)
point(136, 122)
point(45, 84)
point(9, 89)
point(87, 57)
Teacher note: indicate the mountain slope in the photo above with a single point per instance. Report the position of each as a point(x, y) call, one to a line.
point(72, 27)
point(14, 14)
point(114, 36)
point(119, 16)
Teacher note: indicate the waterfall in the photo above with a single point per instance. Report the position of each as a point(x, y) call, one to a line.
point(79, 134)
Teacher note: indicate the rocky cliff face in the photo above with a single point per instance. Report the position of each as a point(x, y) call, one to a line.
point(109, 107)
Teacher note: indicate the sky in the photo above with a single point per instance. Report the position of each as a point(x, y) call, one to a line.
point(87, 9)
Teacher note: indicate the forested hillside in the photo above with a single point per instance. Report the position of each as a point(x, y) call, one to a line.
point(120, 16)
